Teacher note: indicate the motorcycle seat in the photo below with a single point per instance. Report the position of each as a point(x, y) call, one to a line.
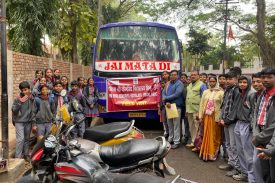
point(129, 152)
point(106, 132)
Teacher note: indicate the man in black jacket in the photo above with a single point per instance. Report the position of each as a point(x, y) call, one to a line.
point(243, 131)
point(228, 120)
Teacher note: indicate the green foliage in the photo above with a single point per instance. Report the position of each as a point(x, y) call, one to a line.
point(28, 22)
point(198, 43)
point(125, 10)
point(208, 14)
point(271, 29)
point(215, 57)
point(86, 53)
point(70, 24)
point(75, 17)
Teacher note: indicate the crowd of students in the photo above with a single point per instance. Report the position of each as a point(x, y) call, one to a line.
point(229, 113)
point(39, 101)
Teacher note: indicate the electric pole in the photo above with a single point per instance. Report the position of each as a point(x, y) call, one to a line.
point(4, 76)
point(226, 18)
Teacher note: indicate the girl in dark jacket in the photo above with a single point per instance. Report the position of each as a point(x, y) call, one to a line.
point(90, 93)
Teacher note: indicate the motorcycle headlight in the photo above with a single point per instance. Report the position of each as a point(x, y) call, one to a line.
point(51, 138)
point(48, 144)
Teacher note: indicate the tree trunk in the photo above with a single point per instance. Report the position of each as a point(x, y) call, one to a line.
point(74, 43)
point(267, 50)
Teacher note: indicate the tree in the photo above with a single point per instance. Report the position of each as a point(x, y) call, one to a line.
point(207, 14)
point(198, 44)
point(215, 56)
point(114, 11)
point(28, 22)
point(78, 25)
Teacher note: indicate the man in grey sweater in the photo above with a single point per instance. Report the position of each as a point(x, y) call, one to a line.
point(23, 116)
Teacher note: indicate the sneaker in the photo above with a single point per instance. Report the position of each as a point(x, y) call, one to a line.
point(240, 177)
point(170, 142)
point(232, 172)
point(175, 146)
point(225, 167)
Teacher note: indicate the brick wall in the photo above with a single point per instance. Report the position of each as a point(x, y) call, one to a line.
point(63, 66)
point(24, 67)
point(77, 71)
point(88, 72)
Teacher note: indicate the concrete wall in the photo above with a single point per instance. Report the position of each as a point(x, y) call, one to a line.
point(256, 67)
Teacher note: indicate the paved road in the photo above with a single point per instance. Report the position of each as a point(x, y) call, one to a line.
point(191, 167)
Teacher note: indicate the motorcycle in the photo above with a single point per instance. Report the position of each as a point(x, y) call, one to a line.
point(56, 151)
point(137, 155)
point(71, 167)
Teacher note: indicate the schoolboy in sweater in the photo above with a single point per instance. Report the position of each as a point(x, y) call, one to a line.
point(243, 131)
point(44, 114)
point(76, 96)
point(58, 100)
point(23, 116)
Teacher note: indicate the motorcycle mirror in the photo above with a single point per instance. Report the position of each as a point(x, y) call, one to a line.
point(63, 93)
point(73, 142)
point(69, 130)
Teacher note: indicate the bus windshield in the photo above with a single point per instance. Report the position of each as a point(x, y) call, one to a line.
point(119, 46)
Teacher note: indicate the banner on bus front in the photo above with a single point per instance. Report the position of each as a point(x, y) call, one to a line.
point(133, 94)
